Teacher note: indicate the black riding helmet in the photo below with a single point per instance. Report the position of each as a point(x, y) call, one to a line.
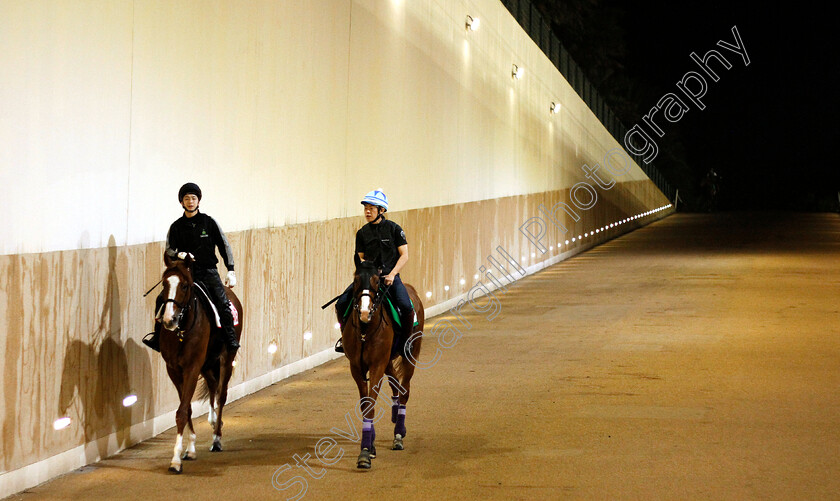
point(187, 189)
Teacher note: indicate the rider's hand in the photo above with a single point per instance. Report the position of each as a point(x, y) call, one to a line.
point(389, 279)
point(183, 255)
point(230, 281)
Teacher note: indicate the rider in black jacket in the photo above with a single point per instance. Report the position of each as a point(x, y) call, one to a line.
point(383, 242)
point(199, 235)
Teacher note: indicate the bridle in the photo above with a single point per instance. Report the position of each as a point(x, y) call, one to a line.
point(376, 302)
point(183, 309)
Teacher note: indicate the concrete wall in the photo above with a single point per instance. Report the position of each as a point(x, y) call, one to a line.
point(285, 113)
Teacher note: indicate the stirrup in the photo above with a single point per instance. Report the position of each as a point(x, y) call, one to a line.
point(339, 348)
point(151, 340)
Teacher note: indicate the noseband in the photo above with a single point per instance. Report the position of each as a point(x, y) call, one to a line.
point(376, 299)
point(183, 309)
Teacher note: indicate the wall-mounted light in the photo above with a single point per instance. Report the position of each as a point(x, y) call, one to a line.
point(473, 23)
point(129, 400)
point(272, 348)
point(307, 336)
point(517, 72)
point(61, 423)
point(555, 108)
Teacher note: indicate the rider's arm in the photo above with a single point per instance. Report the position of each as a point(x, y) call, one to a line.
point(222, 243)
point(403, 250)
point(172, 242)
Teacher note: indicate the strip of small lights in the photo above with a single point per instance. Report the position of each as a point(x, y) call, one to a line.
point(586, 234)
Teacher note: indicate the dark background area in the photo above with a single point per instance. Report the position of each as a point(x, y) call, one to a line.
point(768, 130)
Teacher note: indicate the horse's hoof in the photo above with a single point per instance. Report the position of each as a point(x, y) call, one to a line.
point(189, 456)
point(175, 468)
point(372, 451)
point(216, 447)
point(364, 460)
point(398, 443)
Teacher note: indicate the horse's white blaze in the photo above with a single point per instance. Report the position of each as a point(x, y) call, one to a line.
point(169, 311)
point(179, 448)
point(364, 306)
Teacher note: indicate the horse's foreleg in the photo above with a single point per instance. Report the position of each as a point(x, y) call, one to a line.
point(377, 374)
point(189, 453)
point(364, 457)
point(226, 372)
point(400, 431)
point(182, 418)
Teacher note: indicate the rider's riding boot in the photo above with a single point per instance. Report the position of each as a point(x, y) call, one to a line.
point(407, 327)
point(230, 339)
point(152, 339)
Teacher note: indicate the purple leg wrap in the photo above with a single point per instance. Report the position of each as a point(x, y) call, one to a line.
point(368, 434)
point(399, 429)
point(394, 412)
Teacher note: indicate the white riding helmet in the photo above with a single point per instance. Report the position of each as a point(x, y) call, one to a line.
point(376, 198)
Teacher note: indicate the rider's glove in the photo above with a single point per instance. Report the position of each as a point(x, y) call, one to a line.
point(183, 255)
point(230, 281)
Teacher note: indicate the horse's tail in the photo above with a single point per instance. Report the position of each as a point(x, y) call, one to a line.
point(202, 391)
point(397, 363)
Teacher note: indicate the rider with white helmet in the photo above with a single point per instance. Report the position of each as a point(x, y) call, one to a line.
point(383, 242)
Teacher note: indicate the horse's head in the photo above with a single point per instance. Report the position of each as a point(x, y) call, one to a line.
point(177, 291)
point(365, 289)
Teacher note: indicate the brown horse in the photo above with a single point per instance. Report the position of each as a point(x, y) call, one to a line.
point(368, 336)
point(189, 349)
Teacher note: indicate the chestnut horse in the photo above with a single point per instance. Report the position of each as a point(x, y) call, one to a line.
point(189, 349)
point(368, 336)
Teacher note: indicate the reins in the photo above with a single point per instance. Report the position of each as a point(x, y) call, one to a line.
point(363, 327)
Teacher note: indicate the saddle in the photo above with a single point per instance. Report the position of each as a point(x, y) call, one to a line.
point(212, 312)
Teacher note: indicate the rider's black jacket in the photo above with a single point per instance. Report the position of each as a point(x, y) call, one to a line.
point(199, 235)
point(379, 243)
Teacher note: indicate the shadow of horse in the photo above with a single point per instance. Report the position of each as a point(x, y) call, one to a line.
point(95, 377)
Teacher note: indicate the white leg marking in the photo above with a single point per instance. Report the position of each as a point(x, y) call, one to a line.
point(179, 448)
point(191, 447)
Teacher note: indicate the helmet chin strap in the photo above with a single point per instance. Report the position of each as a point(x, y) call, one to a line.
point(190, 211)
point(378, 217)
